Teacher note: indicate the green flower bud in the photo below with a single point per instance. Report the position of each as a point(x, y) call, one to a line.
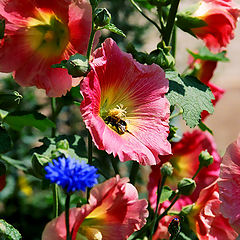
point(62, 144)
point(102, 17)
point(186, 186)
point(161, 57)
point(3, 169)
point(205, 158)
point(77, 65)
point(172, 133)
point(167, 169)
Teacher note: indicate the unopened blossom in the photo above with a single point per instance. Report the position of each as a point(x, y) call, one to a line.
point(220, 17)
point(229, 184)
point(40, 33)
point(124, 106)
point(114, 212)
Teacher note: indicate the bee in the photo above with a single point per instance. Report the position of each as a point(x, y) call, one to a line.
point(119, 125)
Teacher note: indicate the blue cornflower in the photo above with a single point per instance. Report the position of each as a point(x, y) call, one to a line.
point(72, 175)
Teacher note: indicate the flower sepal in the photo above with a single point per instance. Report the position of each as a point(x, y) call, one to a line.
point(102, 17)
point(77, 65)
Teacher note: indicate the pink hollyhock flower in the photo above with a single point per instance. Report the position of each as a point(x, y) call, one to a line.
point(220, 17)
point(229, 184)
point(124, 106)
point(205, 217)
point(113, 212)
point(40, 33)
point(185, 162)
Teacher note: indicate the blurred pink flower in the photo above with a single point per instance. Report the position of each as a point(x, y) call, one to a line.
point(220, 17)
point(229, 184)
point(40, 33)
point(113, 212)
point(205, 217)
point(185, 162)
point(124, 106)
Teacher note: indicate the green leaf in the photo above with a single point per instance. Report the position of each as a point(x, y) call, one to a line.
point(166, 194)
point(145, 4)
point(204, 127)
point(5, 141)
point(205, 54)
point(15, 163)
point(191, 95)
point(18, 120)
point(2, 28)
point(186, 22)
point(112, 28)
point(77, 148)
point(8, 232)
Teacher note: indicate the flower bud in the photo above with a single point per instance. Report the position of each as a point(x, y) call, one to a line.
point(186, 186)
point(174, 227)
point(167, 169)
point(62, 144)
point(102, 17)
point(77, 65)
point(205, 158)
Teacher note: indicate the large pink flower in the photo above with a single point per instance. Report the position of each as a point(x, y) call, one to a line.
point(124, 106)
point(113, 212)
point(40, 33)
point(220, 17)
point(206, 219)
point(185, 162)
point(229, 184)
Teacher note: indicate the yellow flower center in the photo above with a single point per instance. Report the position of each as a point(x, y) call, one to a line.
point(46, 34)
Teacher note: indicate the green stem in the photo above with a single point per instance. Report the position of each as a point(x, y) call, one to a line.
point(54, 116)
point(174, 41)
point(133, 172)
point(176, 114)
point(198, 170)
point(55, 200)
point(159, 191)
point(67, 206)
point(171, 21)
point(170, 206)
point(149, 19)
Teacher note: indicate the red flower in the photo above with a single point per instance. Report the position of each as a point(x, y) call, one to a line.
point(206, 219)
point(124, 106)
point(185, 162)
point(220, 17)
point(40, 33)
point(113, 212)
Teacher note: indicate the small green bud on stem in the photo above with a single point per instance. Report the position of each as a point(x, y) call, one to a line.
point(205, 158)
point(102, 17)
point(167, 169)
point(186, 186)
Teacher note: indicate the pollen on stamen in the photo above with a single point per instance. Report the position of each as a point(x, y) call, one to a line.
point(119, 111)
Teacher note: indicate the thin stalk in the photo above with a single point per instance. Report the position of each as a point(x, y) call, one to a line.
point(149, 19)
point(134, 172)
point(171, 21)
point(176, 114)
point(198, 170)
point(67, 206)
point(53, 106)
point(159, 192)
point(55, 200)
point(170, 206)
point(174, 41)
